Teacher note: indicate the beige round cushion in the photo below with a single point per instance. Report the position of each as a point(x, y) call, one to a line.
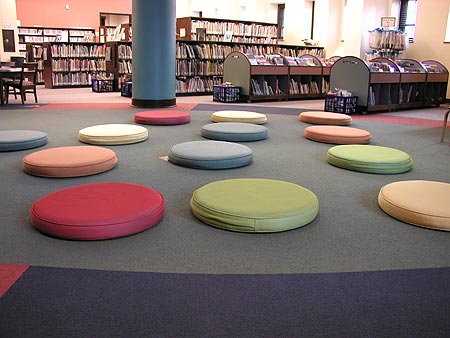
point(337, 134)
point(422, 203)
point(238, 116)
point(323, 117)
point(113, 134)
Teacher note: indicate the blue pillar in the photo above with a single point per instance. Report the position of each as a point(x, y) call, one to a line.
point(154, 47)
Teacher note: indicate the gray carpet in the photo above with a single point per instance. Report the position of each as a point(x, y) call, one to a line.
point(350, 233)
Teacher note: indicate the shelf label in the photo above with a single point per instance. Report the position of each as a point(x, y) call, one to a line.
point(387, 21)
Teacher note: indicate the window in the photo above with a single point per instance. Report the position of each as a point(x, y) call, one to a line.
point(280, 21)
point(407, 21)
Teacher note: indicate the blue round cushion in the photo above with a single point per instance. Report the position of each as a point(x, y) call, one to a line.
point(13, 140)
point(234, 131)
point(210, 155)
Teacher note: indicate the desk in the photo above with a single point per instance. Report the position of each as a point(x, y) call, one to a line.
point(7, 73)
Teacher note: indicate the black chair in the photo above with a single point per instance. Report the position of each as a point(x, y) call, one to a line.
point(24, 83)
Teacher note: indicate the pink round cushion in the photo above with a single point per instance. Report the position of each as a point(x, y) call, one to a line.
point(323, 117)
point(162, 117)
point(337, 134)
point(98, 211)
point(69, 161)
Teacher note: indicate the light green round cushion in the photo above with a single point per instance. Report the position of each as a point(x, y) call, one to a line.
point(254, 205)
point(370, 159)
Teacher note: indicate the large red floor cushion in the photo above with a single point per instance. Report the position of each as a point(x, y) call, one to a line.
point(323, 117)
point(337, 134)
point(98, 211)
point(162, 117)
point(71, 161)
point(418, 202)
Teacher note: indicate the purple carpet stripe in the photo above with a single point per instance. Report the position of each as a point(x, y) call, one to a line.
point(56, 302)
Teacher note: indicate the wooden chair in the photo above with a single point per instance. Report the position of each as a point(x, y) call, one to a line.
point(24, 83)
point(444, 125)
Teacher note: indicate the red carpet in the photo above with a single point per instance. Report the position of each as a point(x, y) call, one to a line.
point(184, 106)
point(412, 121)
point(9, 274)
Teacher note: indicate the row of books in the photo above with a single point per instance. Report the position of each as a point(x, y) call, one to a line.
point(72, 79)
point(124, 52)
point(238, 28)
point(125, 67)
point(260, 88)
point(69, 50)
point(196, 85)
point(76, 65)
point(197, 67)
point(296, 88)
point(202, 51)
point(234, 38)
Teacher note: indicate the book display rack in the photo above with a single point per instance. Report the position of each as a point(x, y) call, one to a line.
point(382, 84)
point(73, 64)
point(275, 76)
point(118, 56)
point(386, 43)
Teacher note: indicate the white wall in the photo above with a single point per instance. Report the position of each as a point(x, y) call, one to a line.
point(8, 20)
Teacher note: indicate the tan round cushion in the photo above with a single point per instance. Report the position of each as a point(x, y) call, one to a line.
point(238, 116)
point(323, 117)
point(69, 161)
point(113, 134)
point(422, 203)
point(337, 134)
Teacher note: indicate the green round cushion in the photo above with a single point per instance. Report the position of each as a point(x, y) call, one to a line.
point(254, 205)
point(370, 159)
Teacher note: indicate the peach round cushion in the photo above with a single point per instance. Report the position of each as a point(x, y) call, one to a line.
point(69, 161)
point(238, 116)
point(113, 134)
point(98, 211)
point(421, 203)
point(337, 134)
point(162, 117)
point(322, 117)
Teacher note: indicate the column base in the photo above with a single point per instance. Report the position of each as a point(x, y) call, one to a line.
point(139, 103)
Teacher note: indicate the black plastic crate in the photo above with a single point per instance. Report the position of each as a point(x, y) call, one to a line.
point(226, 93)
point(340, 104)
point(126, 89)
point(102, 85)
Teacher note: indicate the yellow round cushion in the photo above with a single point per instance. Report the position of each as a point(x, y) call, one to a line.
point(238, 116)
point(422, 203)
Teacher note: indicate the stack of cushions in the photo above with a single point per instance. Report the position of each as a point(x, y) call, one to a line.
point(254, 205)
point(162, 117)
point(337, 134)
point(113, 134)
point(98, 211)
point(238, 116)
point(210, 155)
point(234, 131)
point(370, 159)
point(69, 161)
point(422, 203)
point(322, 117)
point(13, 140)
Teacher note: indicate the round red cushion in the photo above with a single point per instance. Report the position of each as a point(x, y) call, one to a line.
point(98, 211)
point(337, 134)
point(162, 117)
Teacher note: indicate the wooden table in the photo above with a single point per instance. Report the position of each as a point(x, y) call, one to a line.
point(7, 73)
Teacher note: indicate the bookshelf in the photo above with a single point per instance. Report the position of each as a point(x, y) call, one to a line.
point(437, 81)
point(275, 76)
point(118, 56)
point(238, 31)
point(383, 84)
point(73, 64)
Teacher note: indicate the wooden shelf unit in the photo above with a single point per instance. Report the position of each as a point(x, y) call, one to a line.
point(73, 64)
point(274, 82)
point(382, 84)
point(119, 57)
point(216, 29)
